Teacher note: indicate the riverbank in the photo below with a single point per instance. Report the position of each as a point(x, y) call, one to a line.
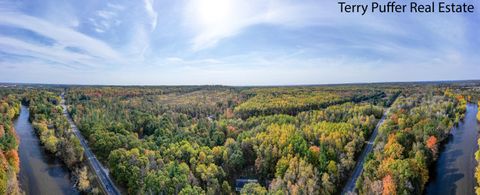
point(453, 172)
point(40, 172)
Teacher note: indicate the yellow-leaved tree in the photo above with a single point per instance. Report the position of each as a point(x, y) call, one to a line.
point(478, 113)
point(477, 157)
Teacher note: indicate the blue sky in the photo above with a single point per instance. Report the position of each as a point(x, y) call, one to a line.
point(230, 42)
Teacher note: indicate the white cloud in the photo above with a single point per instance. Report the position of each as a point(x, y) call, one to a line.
point(64, 36)
point(214, 20)
point(95, 53)
point(116, 6)
point(99, 30)
point(151, 13)
point(106, 14)
point(146, 43)
point(143, 24)
point(196, 62)
point(105, 19)
point(56, 53)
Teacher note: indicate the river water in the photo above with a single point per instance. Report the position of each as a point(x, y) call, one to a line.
point(454, 171)
point(40, 172)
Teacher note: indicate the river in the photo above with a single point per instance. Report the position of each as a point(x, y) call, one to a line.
point(455, 168)
point(40, 172)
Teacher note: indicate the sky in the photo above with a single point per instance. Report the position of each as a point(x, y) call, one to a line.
point(230, 42)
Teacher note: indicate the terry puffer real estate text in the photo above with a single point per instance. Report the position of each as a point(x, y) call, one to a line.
point(413, 7)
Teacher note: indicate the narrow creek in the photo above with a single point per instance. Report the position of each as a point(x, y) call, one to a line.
point(40, 172)
point(455, 167)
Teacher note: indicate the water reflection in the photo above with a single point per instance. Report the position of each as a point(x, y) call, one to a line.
point(454, 171)
point(40, 173)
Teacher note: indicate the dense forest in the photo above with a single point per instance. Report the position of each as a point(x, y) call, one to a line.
point(188, 139)
point(267, 101)
point(204, 139)
point(408, 142)
point(56, 136)
point(9, 159)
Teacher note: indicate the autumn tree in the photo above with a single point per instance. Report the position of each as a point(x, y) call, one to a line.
point(83, 182)
point(432, 145)
point(300, 177)
point(253, 189)
point(389, 186)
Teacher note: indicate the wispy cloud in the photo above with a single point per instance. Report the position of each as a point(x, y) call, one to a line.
point(214, 20)
point(151, 13)
point(106, 18)
point(229, 42)
point(63, 36)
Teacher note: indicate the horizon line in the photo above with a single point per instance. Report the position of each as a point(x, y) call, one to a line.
point(253, 85)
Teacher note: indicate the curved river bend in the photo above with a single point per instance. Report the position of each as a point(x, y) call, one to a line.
point(40, 173)
point(455, 167)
